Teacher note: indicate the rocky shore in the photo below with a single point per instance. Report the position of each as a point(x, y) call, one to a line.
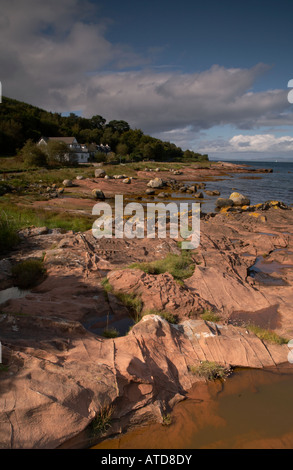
point(58, 370)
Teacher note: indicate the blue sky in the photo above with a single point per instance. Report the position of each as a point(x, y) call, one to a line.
point(210, 76)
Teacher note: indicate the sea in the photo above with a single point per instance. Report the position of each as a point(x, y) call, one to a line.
point(259, 187)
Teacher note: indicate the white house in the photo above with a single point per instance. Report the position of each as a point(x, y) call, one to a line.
point(80, 151)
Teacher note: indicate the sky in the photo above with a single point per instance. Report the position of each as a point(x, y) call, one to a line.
point(211, 76)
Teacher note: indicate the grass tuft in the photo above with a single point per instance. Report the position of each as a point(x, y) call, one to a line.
point(266, 335)
point(110, 333)
point(208, 315)
point(102, 421)
point(179, 266)
point(209, 370)
point(28, 273)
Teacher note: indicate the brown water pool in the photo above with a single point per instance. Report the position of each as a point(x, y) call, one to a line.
point(251, 409)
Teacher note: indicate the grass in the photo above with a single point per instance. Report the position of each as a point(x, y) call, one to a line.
point(266, 335)
point(8, 232)
point(131, 301)
point(102, 421)
point(170, 317)
point(110, 333)
point(22, 217)
point(208, 315)
point(167, 420)
point(179, 266)
point(28, 273)
point(209, 370)
point(3, 368)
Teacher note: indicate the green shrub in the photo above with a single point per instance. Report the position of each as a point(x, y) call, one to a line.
point(209, 370)
point(28, 273)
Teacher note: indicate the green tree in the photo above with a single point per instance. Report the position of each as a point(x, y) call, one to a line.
point(33, 155)
point(58, 152)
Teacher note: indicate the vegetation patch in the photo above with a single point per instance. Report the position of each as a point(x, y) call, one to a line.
point(167, 420)
point(15, 218)
point(131, 301)
point(28, 273)
point(102, 421)
point(209, 370)
point(179, 266)
point(266, 335)
point(110, 333)
point(8, 232)
point(208, 315)
point(170, 317)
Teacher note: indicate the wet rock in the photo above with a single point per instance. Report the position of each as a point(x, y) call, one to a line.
point(224, 202)
point(239, 199)
point(212, 193)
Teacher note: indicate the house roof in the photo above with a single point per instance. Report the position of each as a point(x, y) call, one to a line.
point(67, 140)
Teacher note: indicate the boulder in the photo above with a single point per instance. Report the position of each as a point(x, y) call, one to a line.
point(199, 195)
point(239, 200)
point(80, 177)
point(156, 183)
point(224, 202)
point(67, 183)
point(100, 173)
point(98, 194)
point(150, 191)
point(212, 193)
point(126, 181)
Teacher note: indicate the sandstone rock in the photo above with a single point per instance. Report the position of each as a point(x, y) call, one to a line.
point(239, 200)
point(100, 173)
point(156, 183)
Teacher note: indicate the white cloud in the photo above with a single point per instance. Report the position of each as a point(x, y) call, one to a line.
point(261, 143)
point(55, 55)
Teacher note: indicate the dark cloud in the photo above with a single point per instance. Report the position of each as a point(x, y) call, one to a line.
point(55, 55)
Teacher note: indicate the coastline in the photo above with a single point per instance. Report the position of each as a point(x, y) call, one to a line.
point(82, 370)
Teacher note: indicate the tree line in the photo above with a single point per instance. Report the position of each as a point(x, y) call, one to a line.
point(23, 124)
